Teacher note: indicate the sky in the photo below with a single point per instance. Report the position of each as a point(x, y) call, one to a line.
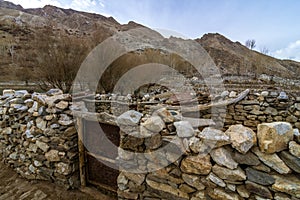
point(274, 25)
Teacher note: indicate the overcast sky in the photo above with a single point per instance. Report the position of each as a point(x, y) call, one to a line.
point(273, 24)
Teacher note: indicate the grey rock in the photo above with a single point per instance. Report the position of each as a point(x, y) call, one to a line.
point(229, 174)
point(223, 158)
point(273, 161)
point(259, 177)
point(43, 146)
point(294, 148)
point(53, 92)
point(242, 138)
point(154, 124)
point(215, 179)
point(258, 189)
point(292, 161)
point(246, 159)
point(283, 96)
point(130, 118)
point(184, 129)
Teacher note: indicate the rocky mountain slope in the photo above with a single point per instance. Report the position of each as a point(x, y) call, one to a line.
point(23, 30)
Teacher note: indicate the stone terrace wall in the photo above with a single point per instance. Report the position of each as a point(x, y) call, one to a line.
point(236, 164)
point(38, 137)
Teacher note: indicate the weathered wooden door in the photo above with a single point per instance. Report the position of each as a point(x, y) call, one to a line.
point(99, 167)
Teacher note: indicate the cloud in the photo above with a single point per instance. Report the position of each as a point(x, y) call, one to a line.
point(87, 5)
point(36, 3)
point(292, 51)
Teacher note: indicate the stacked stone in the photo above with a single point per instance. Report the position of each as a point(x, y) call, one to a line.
point(264, 107)
point(234, 164)
point(38, 136)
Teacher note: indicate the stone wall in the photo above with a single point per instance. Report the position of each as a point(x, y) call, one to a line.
point(38, 137)
point(237, 163)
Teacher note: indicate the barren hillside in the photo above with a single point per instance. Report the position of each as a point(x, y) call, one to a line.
point(22, 31)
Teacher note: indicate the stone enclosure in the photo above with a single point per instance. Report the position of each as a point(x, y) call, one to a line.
point(247, 149)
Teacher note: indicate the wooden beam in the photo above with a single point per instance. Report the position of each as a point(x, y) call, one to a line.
point(81, 149)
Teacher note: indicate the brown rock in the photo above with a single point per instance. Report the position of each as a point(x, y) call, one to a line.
point(196, 165)
point(193, 181)
point(287, 184)
point(273, 161)
point(241, 137)
point(52, 156)
point(274, 137)
point(294, 149)
point(229, 174)
point(221, 194)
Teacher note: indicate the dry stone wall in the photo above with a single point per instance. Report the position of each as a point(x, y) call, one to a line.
point(238, 163)
point(38, 137)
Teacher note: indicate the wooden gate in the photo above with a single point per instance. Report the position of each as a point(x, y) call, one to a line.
point(97, 154)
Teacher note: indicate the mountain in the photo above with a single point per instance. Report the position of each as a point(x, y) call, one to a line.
point(233, 58)
point(23, 32)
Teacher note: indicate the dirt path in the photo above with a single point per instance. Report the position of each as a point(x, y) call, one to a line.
point(14, 187)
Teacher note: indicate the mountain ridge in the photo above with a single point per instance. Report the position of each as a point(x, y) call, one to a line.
point(21, 28)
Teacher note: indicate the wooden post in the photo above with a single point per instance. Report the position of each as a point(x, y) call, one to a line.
point(81, 149)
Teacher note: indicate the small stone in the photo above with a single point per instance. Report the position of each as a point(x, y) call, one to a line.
point(223, 158)
point(52, 156)
point(196, 165)
point(63, 168)
point(62, 105)
point(184, 129)
point(274, 137)
point(232, 94)
point(170, 192)
point(264, 93)
point(43, 146)
point(231, 187)
point(281, 196)
point(224, 94)
point(292, 161)
point(271, 111)
point(218, 193)
point(13, 156)
point(287, 184)
point(186, 189)
point(214, 137)
point(39, 195)
point(292, 119)
point(273, 161)
point(32, 169)
point(7, 131)
point(165, 115)
point(283, 96)
point(246, 159)
point(294, 148)
point(65, 120)
point(154, 124)
point(215, 179)
point(53, 92)
point(8, 92)
point(193, 181)
point(242, 138)
point(229, 174)
point(129, 118)
point(40, 123)
point(37, 163)
point(259, 177)
point(258, 189)
point(153, 142)
point(242, 191)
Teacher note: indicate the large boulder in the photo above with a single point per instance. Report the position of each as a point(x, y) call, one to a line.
point(274, 137)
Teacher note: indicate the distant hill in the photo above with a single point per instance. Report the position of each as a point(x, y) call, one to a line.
point(22, 29)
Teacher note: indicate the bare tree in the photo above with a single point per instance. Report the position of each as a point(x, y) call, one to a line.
point(264, 50)
point(251, 43)
point(59, 59)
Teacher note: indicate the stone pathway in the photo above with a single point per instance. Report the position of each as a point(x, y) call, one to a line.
point(14, 187)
